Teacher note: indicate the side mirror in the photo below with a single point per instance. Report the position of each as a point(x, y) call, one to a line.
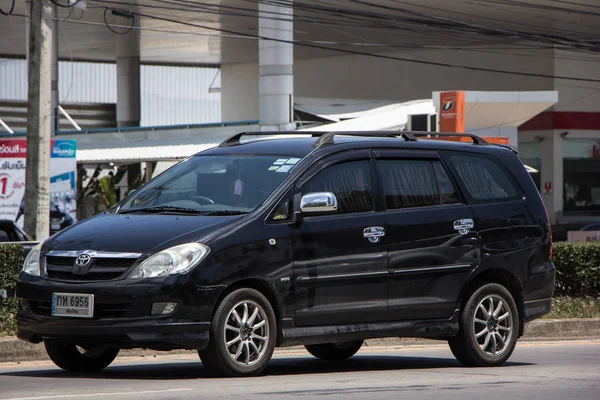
point(318, 202)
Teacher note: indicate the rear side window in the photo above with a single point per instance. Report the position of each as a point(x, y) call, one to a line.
point(349, 181)
point(415, 183)
point(484, 179)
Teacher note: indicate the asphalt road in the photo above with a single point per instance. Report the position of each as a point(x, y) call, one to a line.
point(559, 370)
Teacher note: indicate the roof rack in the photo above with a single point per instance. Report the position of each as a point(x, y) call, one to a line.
point(476, 139)
point(235, 139)
point(327, 137)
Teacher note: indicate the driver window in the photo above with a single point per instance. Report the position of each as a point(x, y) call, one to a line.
point(349, 181)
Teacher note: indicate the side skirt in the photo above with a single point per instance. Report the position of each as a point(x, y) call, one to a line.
point(292, 335)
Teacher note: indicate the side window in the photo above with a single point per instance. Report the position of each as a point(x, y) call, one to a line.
point(484, 179)
point(349, 181)
point(4, 237)
point(408, 183)
point(448, 194)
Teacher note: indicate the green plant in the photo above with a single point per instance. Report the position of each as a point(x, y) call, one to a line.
point(574, 307)
point(8, 309)
point(577, 269)
point(11, 261)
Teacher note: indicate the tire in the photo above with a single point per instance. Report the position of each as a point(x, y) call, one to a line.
point(334, 351)
point(68, 356)
point(485, 340)
point(241, 343)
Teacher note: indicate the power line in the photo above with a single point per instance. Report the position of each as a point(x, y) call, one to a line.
point(369, 21)
point(381, 56)
point(10, 10)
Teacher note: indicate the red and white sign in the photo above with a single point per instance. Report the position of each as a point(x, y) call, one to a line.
point(63, 167)
point(547, 187)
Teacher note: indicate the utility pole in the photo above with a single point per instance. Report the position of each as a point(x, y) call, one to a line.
point(39, 121)
point(54, 98)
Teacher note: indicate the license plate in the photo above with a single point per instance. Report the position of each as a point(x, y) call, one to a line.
point(73, 305)
point(55, 226)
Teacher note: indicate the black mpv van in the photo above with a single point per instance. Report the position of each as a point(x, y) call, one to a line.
point(322, 240)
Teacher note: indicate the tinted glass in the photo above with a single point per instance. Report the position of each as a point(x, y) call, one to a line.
point(483, 178)
point(448, 194)
point(408, 183)
point(210, 183)
point(350, 182)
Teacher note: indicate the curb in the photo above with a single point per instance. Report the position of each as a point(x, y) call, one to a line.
point(544, 330)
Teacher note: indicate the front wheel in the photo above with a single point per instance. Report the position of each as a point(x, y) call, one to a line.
point(242, 335)
point(334, 351)
point(71, 357)
point(489, 327)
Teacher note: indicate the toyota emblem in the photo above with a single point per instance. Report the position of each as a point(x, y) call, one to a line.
point(83, 260)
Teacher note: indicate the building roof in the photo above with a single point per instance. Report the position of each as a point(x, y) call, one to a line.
point(141, 153)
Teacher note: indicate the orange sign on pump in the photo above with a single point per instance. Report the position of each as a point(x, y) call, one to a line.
point(452, 112)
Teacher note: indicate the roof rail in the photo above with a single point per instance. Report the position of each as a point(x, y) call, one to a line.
point(235, 139)
point(476, 139)
point(327, 138)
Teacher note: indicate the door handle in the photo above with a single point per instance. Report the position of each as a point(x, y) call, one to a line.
point(463, 226)
point(374, 233)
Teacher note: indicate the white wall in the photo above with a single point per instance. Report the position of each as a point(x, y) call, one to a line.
point(363, 77)
point(239, 92)
point(169, 95)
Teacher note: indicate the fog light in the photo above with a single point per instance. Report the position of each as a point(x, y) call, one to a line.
point(163, 308)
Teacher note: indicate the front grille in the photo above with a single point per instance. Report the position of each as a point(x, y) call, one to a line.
point(102, 269)
point(63, 261)
point(116, 310)
point(98, 262)
point(69, 276)
point(114, 262)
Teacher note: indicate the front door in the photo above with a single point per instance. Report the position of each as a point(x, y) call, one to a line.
point(431, 245)
point(340, 262)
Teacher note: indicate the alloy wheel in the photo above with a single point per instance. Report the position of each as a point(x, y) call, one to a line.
point(246, 333)
point(493, 325)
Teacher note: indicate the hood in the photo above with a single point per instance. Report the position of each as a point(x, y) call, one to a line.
point(136, 233)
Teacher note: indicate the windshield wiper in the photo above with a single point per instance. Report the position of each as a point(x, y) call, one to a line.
point(225, 212)
point(159, 209)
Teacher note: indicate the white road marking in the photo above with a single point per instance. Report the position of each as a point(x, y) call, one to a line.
point(64, 396)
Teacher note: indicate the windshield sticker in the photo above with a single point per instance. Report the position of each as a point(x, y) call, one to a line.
point(280, 161)
point(273, 168)
point(217, 167)
point(292, 161)
point(285, 168)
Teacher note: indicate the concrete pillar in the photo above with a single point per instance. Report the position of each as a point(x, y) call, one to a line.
point(552, 173)
point(128, 78)
point(276, 62)
point(54, 73)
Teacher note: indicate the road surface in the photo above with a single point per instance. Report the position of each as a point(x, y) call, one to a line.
point(559, 370)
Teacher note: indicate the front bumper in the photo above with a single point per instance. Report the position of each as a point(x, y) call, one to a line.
point(121, 313)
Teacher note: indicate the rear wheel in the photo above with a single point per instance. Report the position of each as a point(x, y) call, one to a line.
point(334, 351)
point(489, 327)
point(242, 335)
point(71, 357)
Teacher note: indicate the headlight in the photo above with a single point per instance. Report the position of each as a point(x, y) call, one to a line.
point(173, 261)
point(32, 261)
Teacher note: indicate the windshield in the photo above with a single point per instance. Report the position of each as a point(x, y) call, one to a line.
point(217, 185)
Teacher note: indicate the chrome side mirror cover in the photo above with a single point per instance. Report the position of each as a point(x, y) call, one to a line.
point(318, 202)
